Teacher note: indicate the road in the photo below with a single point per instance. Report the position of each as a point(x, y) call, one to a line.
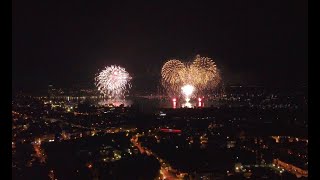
point(166, 171)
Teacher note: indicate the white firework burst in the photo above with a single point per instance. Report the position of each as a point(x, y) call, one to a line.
point(113, 81)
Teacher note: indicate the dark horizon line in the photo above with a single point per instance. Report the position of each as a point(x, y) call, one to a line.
point(236, 85)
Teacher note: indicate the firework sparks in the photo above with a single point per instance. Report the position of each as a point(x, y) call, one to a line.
point(170, 76)
point(113, 81)
point(187, 91)
point(202, 74)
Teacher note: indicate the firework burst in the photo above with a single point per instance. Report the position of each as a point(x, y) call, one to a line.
point(113, 81)
point(202, 74)
point(170, 74)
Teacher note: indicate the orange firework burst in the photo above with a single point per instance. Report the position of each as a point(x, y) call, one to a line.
point(202, 73)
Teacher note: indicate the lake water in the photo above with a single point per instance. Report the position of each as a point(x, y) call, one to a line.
point(154, 104)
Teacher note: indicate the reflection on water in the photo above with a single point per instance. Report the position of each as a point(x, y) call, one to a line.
point(191, 105)
point(115, 102)
point(150, 105)
point(181, 103)
point(187, 105)
point(200, 104)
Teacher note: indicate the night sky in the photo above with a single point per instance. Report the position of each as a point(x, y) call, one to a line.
point(67, 42)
